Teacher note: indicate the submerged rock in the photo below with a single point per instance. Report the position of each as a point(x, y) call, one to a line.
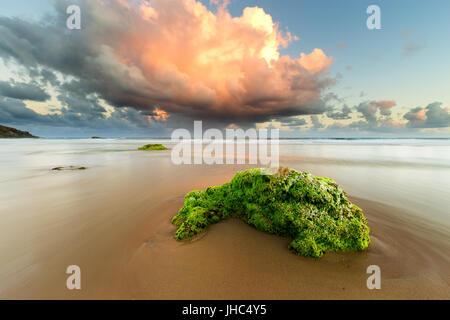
point(152, 147)
point(313, 211)
point(68, 168)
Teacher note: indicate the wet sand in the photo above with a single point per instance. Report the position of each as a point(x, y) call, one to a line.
point(235, 261)
point(113, 220)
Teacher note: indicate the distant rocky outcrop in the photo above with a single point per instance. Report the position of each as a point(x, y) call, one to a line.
point(7, 132)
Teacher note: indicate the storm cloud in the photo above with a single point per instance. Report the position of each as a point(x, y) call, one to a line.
point(174, 54)
point(66, 121)
point(151, 66)
point(23, 91)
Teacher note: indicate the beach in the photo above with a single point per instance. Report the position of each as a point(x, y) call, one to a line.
point(113, 221)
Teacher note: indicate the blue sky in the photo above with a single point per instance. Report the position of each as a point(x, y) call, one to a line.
point(405, 62)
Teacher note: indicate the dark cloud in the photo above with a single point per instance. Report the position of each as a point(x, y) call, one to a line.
point(14, 111)
point(292, 122)
point(76, 103)
point(131, 57)
point(48, 77)
point(131, 69)
point(370, 109)
point(342, 114)
point(126, 120)
point(23, 91)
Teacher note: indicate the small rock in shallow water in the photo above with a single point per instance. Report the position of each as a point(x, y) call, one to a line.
point(69, 168)
point(152, 147)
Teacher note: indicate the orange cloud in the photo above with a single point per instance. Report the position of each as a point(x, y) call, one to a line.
point(385, 106)
point(420, 115)
point(316, 61)
point(417, 115)
point(178, 54)
point(397, 124)
point(193, 61)
point(159, 114)
point(432, 116)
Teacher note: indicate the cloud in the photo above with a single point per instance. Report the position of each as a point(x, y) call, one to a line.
point(159, 114)
point(175, 54)
point(78, 104)
point(15, 112)
point(316, 122)
point(343, 114)
point(432, 116)
point(377, 119)
point(292, 122)
point(48, 77)
point(68, 122)
point(23, 91)
point(369, 109)
point(384, 106)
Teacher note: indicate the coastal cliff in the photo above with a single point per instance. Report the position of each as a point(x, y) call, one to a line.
point(7, 132)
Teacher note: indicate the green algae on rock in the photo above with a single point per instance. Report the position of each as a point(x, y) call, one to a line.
point(152, 147)
point(313, 211)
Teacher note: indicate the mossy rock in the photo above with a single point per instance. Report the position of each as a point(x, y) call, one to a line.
point(315, 212)
point(152, 147)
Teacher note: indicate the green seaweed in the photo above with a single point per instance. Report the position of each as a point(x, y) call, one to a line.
point(313, 211)
point(152, 147)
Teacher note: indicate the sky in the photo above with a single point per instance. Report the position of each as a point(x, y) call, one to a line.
point(311, 68)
